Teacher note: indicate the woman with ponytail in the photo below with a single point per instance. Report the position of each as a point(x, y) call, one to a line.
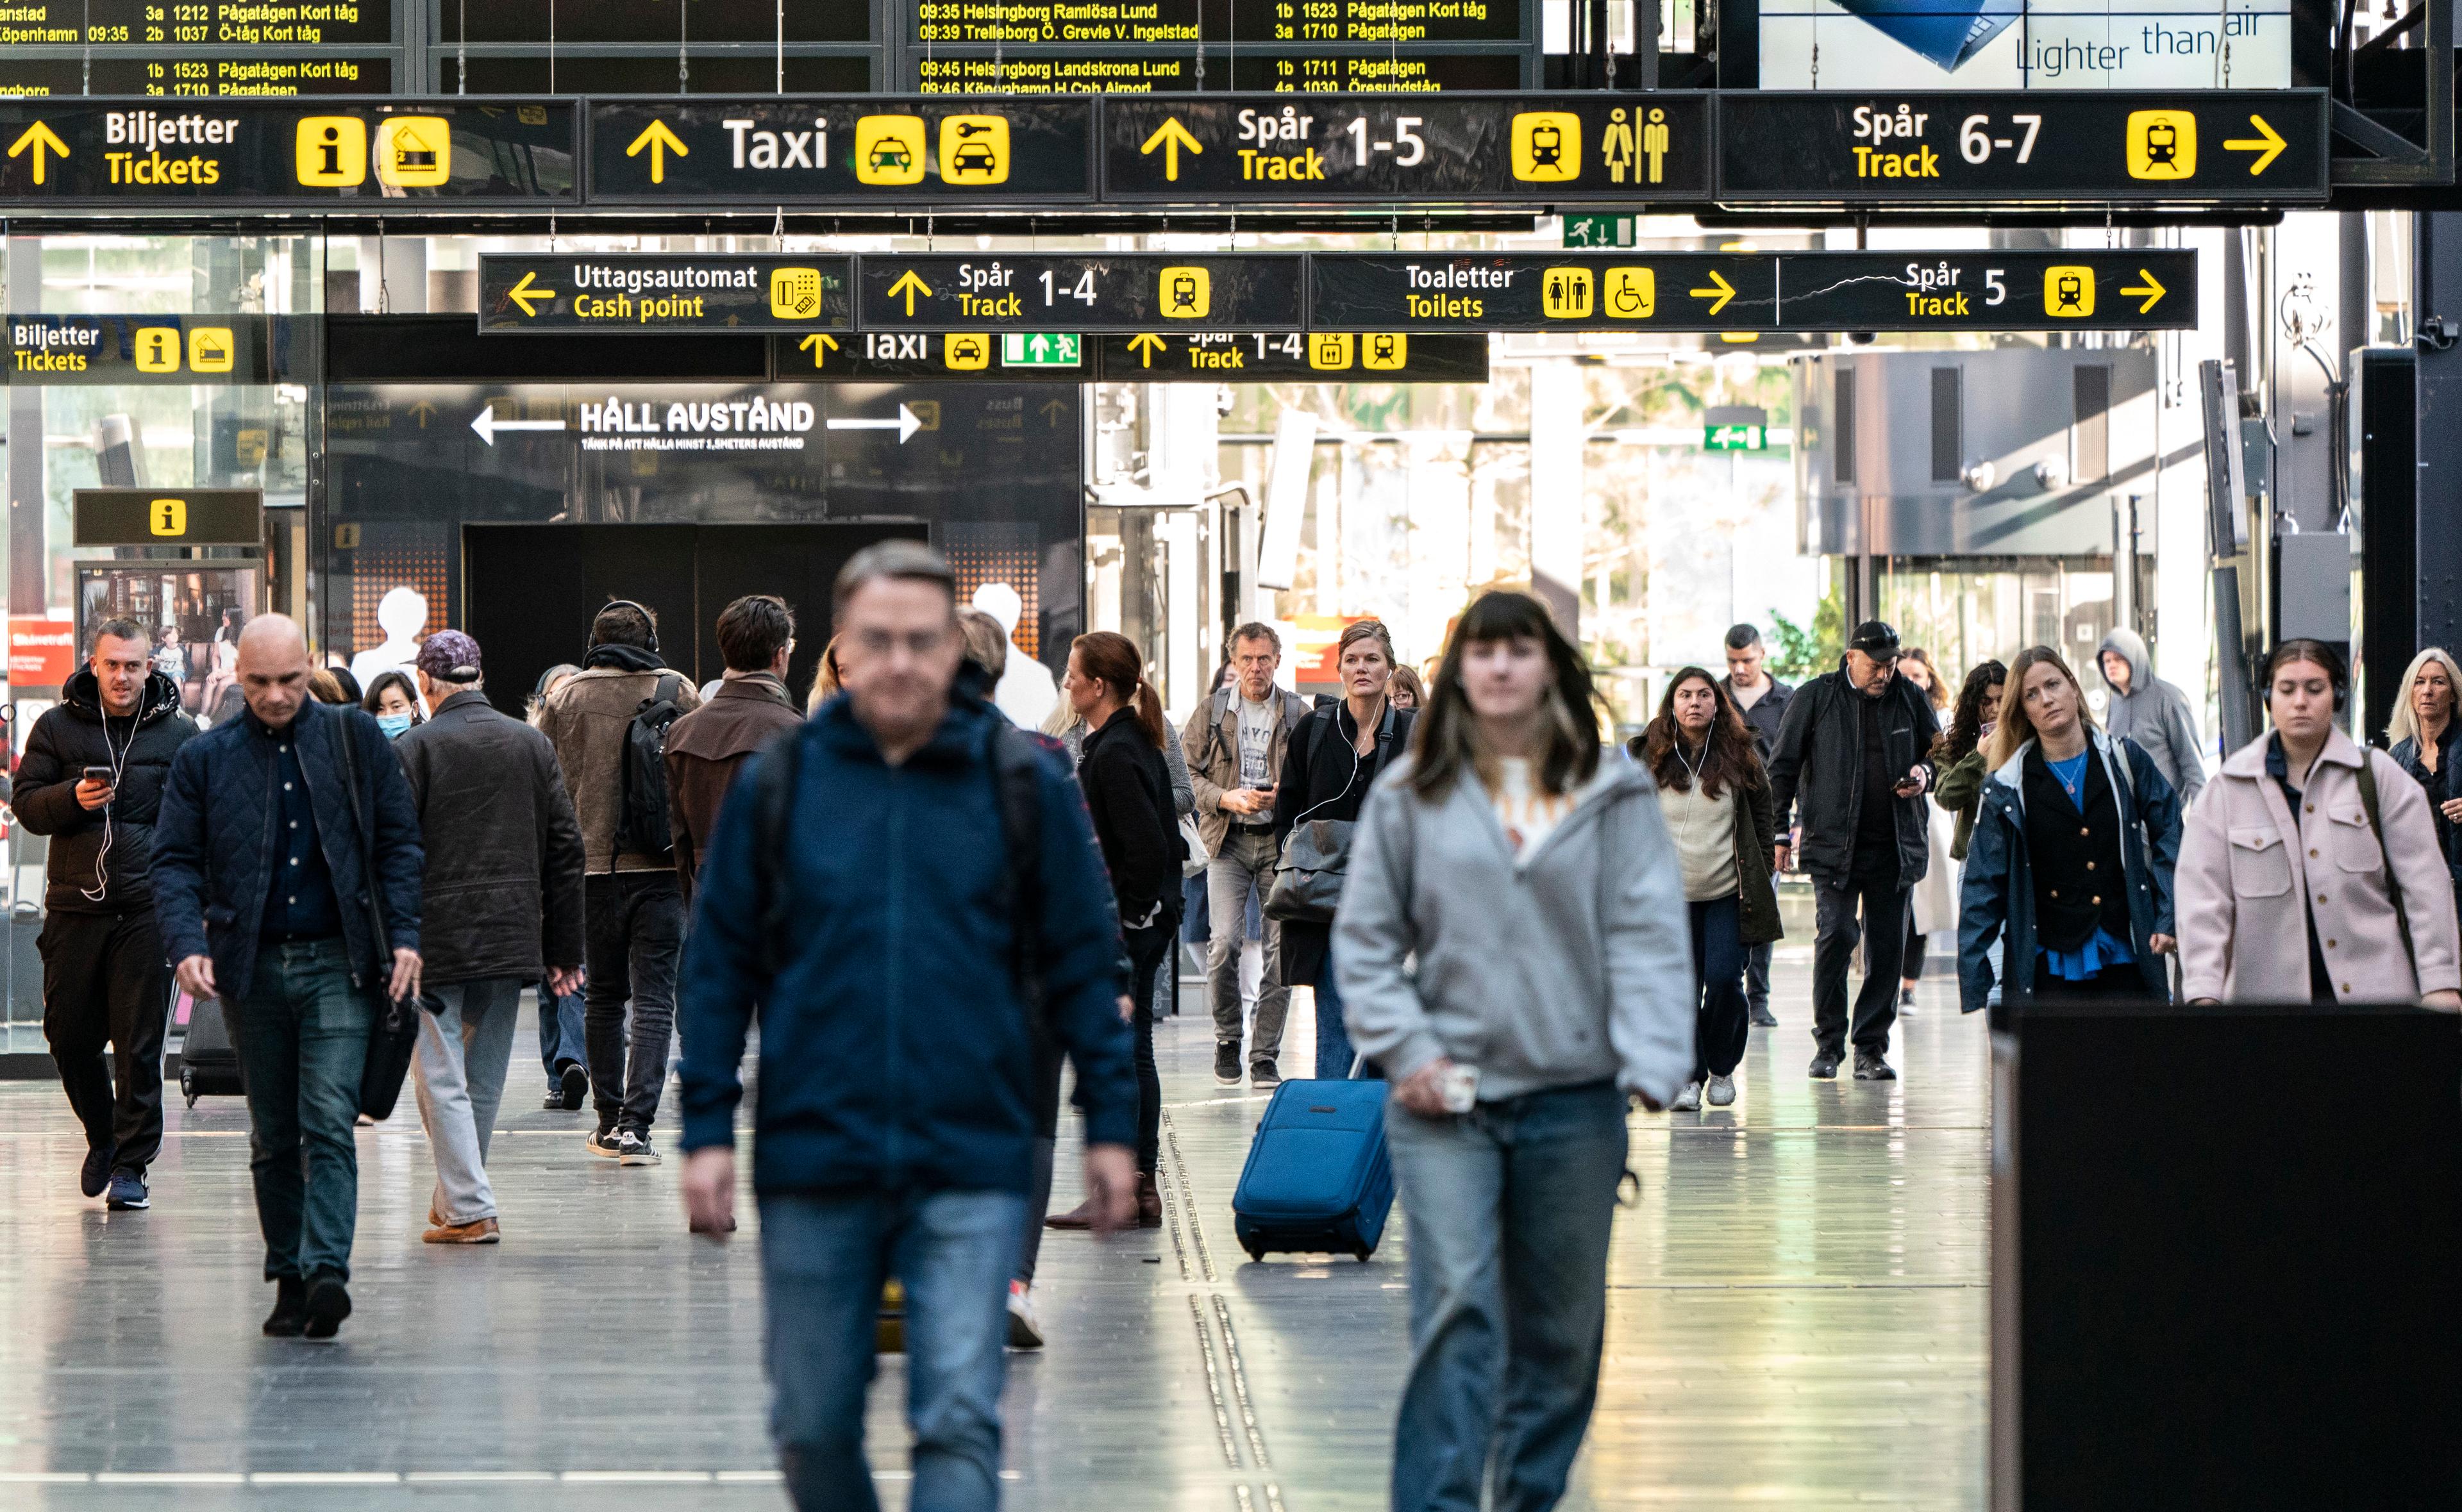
point(1128, 792)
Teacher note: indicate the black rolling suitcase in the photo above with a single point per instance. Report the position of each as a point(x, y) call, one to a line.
point(208, 1062)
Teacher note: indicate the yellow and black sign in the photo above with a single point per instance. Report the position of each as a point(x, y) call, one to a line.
point(147, 349)
point(841, 150)
point(169, 516)
point(1001, 292)
point(664, 292)
point(1320, 357)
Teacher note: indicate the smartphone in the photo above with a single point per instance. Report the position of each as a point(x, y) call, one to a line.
point(100, 774)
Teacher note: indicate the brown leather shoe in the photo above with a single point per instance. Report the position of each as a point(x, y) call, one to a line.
point(1149, 1202)
point(482, 1232)
point(1075, 1220)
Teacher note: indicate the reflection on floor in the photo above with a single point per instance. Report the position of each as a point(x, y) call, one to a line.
point(1797, 1320)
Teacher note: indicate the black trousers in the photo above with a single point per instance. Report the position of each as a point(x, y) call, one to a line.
point(1147, 948)
point(104, 983)
point(1911, 964)
point(1881, 903)
point(635, 937)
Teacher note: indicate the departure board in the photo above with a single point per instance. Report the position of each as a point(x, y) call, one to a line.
point(566, 22)
point(197, 78)
point(195, 23)
point(1138, 71)
point(1146, 22)
point(738, 73)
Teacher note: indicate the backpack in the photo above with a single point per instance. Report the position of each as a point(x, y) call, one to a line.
point(642, 823)
point(1015, 759)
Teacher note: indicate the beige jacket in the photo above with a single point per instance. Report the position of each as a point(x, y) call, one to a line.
point(1211, 743)
point(2242, 931)
point(585, 719)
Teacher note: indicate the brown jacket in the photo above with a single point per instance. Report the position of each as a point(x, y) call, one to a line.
point(1211, 743)
point(706, 748)
point(585, 719)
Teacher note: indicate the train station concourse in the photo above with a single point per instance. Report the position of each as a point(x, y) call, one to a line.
point(1609, 542)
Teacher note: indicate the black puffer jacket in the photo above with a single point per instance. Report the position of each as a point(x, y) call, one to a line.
point(66, 741)
point(1819, 766)
point(1324, 778)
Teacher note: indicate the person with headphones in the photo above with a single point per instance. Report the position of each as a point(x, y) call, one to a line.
point(633, 898)
point(2312, 860)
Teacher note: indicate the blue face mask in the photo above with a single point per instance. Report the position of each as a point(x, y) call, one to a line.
point(393, 724)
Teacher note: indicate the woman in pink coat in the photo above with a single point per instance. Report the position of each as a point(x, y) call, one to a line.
point(2285, 872)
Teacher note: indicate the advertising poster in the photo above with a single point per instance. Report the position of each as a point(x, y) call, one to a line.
point(2024, 44)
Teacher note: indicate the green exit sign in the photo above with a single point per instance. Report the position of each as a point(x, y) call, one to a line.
point(1020, 350)
point(1586, 230)
point(1735, 437)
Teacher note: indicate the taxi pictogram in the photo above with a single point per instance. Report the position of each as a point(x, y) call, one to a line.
point(974, 149)
point(888, 149)
point(966, 352)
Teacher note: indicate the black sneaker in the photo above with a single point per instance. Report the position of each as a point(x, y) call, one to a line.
point(95, 1173)
point(577, 1085)
point(1871, 1067)
point(1264, 1074)
point(606, 1142)
point(1226, 1062)
point(289, 1314)
point(634, 1148)
point(329, 1303)
point(1764, 1019)
point(128, 1191)
point(1824, 1067)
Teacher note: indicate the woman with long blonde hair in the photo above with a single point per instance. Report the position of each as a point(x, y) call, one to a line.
point(2426, 739)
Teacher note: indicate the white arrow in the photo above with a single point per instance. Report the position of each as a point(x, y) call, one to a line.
point(905, 424)
point(487, 425)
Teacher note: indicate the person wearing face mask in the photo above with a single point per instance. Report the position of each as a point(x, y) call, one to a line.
point(1716, 797)
point(2310, 868)
point(2426, 738)
point(1855, 752)
point(1332, 761)
point(394, 699)
point(2074, 837)
point(1511, 951)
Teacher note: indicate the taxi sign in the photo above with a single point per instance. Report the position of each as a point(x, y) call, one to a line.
point(840, 150)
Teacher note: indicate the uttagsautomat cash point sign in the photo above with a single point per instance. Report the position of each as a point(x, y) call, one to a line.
point(1279, 149)
point(666, 291)
point(2125, 289)
point(842, 150)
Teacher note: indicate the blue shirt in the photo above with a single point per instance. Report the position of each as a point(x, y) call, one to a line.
point(299, 902)
point(2105, 949)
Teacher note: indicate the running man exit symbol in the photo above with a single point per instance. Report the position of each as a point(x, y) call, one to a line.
point(167, 517)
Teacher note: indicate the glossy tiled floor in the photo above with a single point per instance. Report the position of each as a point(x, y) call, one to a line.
point(1797, 1320)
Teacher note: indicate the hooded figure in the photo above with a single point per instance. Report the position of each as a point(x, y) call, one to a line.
point(2152, 713)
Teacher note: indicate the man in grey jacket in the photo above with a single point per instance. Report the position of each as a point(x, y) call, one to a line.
point(2151, 712)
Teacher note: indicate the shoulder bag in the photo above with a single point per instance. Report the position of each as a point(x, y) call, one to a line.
point(393, 1025)
point(1316, 858)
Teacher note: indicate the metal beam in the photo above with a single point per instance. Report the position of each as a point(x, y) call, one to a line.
point(2437, 267)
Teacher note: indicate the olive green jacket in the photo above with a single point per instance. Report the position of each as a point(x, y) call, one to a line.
point(1959, 787)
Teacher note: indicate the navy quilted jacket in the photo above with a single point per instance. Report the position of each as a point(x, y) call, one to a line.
point(214, 845)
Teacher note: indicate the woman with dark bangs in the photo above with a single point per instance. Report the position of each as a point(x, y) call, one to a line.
point(1717, 802)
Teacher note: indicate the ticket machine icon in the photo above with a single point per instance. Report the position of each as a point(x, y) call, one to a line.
point(414, 152)
point(795, 293)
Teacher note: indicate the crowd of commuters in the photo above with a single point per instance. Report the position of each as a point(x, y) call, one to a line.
point(937, 873)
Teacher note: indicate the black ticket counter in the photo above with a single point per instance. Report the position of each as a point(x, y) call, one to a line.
point(2227, 1257)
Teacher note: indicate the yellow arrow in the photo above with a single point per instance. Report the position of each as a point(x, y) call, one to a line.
point(1171, 136)
point(660, 142)
point(1719, 295)
point(2152, 290)
point(39, 138)
point(910, 285)
point(527, 290)
point(1145, 346)
point(819, 346)
point(2267, 144)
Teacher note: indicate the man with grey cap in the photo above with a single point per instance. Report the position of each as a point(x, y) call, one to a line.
point(504, 892)
point(1855, 753)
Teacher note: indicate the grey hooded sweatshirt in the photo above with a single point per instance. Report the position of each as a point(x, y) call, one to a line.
point(1571, 966)
point(2155, 715)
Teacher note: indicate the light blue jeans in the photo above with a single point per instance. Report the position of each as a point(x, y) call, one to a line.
point(823, 1259)
point(1509, 1208)
point(466, 1047)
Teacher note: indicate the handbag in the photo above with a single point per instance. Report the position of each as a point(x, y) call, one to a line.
point(1307, 880)
point(1194, 858)
point(393, 1029)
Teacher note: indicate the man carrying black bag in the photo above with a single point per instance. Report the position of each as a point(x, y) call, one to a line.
point(300, 816)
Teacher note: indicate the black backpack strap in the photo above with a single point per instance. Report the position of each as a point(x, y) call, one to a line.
point(1016, 787)
point(780, 772)
point(2392, 878)
point(670, 687)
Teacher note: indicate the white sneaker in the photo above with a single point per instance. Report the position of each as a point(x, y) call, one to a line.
point(1722, 1091)
point(1687, 1101)
point(1025, 1332)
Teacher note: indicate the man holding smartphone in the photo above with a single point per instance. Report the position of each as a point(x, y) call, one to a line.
point(92, 779)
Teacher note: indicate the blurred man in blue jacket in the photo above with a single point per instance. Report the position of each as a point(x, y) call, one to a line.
point(867, 893)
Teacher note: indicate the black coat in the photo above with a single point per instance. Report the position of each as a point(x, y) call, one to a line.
point(1766, 716)
point(502, 896)
point(1128, 792)
point(2442, 785)
point(66, 741)
point(1819, 766)
point(1322, 781)
point(214, 844)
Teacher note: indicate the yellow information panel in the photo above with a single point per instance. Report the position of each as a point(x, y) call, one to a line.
point(1546, 146)
point(1187, 292)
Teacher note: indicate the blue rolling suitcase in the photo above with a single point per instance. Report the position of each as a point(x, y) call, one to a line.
point(1318, 1178)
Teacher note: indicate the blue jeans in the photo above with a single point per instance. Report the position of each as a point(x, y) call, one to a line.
point(823, 1259)
point(1335, 1051)
point(560, 1038)
point(1509, 1209)
point(303, 1042)
point(1722, 1023)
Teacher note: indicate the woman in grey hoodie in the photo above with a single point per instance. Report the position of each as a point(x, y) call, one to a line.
point(1511, 948)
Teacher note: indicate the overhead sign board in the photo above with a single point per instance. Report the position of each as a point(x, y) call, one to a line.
point(840, 150)
point(147, 349)
point(169, 516)
point(2230, 145)
point(2128, 289)
point(893, 356)
point(666, 291)
point(998, 292)
point(396, 158)
point(1281, 149)
point(1319, 357)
